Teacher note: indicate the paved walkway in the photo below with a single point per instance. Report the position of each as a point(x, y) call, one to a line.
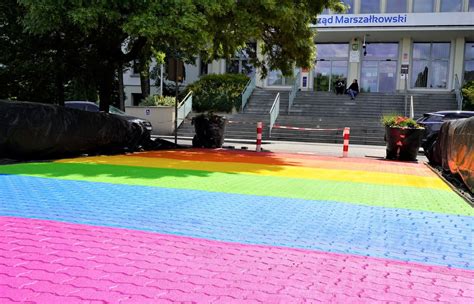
point(232, 227)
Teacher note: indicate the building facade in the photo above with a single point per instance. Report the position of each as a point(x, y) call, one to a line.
point(388, 45)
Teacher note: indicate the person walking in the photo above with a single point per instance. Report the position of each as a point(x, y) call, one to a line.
point(353, 89)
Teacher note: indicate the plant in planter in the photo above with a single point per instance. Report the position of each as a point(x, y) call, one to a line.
point(403, 137)
point(214, 93)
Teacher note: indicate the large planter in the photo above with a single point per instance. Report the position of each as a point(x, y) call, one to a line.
point(403, 143)
point(209, 130)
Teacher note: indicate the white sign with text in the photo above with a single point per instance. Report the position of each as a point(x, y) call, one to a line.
point(418, 19)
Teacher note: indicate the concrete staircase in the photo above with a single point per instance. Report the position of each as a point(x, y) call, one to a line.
point(244, 125)
point(327, 111)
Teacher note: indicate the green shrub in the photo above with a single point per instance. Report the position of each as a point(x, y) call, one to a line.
point(218, 93)
point(468, 96)
point(397, 121)
point(156, 100)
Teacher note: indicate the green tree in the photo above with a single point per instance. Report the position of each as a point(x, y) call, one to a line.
point(114, 32)
point(468, 96)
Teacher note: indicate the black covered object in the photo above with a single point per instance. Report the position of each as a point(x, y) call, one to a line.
point(210, 131)
point(403, 143)
point(454, 149)
point(33, 131)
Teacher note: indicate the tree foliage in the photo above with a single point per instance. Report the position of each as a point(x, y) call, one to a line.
point(468, 96)
point(106, 34)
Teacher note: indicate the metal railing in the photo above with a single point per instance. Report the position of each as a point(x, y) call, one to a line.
point(294, 89)
point(458, 92)
point(406, 94)
point(248, 91)
point(274, 111)
point(185, 107)
point(412, 108)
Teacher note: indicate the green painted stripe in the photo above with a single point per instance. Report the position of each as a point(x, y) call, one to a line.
point(425, 199)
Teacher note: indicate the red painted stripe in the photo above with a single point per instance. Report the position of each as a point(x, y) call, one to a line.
point(53, 262)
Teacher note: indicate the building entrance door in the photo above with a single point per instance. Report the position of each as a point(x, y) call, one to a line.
point(378, 76)
point(379, 68)
point(326, 73)
point(331, 66)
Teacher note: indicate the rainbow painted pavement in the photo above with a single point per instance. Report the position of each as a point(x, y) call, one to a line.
point(232, 227)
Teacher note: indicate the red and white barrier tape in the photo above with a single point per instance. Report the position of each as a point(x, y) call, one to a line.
point(345, 147)
point(259, 136)
point(304, 129)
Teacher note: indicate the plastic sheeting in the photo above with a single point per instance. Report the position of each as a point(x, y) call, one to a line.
point(34, 131)
point(454, 149)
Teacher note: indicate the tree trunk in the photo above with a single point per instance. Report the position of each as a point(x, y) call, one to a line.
point(121, 93)
point(145, 83)
point(106, 88)
point(59, 76)
point(59, 84)
point(144, 68)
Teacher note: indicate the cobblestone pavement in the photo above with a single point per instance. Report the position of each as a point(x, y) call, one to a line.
point(232, 227)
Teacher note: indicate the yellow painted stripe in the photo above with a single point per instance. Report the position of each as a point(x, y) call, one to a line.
point(271, 170)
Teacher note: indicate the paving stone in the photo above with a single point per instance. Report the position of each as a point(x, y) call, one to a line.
point(399, 234)
point(274, 274)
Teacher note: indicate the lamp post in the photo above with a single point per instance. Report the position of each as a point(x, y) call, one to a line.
point(176, 98)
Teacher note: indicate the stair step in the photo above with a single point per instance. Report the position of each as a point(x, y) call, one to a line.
point(326, 110)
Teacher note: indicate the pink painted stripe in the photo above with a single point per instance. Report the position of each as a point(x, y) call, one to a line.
point(52, 262)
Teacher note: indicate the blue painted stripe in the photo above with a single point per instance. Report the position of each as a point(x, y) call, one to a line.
point(400, 234)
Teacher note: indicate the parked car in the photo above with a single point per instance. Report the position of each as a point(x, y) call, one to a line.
point(432, 123)
point(93, 107)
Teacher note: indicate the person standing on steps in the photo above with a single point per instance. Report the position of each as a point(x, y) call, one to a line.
point(353, 89)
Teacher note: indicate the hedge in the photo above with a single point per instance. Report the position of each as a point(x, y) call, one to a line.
point(218, 93)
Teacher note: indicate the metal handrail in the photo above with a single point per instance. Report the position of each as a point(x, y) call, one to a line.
point(247, 91)
point(184, 108)
point(274, 111)
point(294, 89)
point(458, 92)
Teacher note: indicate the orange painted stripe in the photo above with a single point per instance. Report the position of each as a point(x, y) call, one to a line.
point(323, 162)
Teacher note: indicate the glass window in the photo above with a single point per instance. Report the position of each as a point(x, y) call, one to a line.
point(469, 51)
point(370, 6)
point(451, 5)
point(350, 4)
point(241, 62)
point(381, 51)
point(440, 50)
point(325, 51)
point(439, 74)
point(423, 6)
point(203, 68)
point(276, 78)
point(396, 6)
point(421, 50)
point(379, 68)
point(430, 65)
point(471, 5)
point(420, 70)
point(331, 65)
point(469, 62)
